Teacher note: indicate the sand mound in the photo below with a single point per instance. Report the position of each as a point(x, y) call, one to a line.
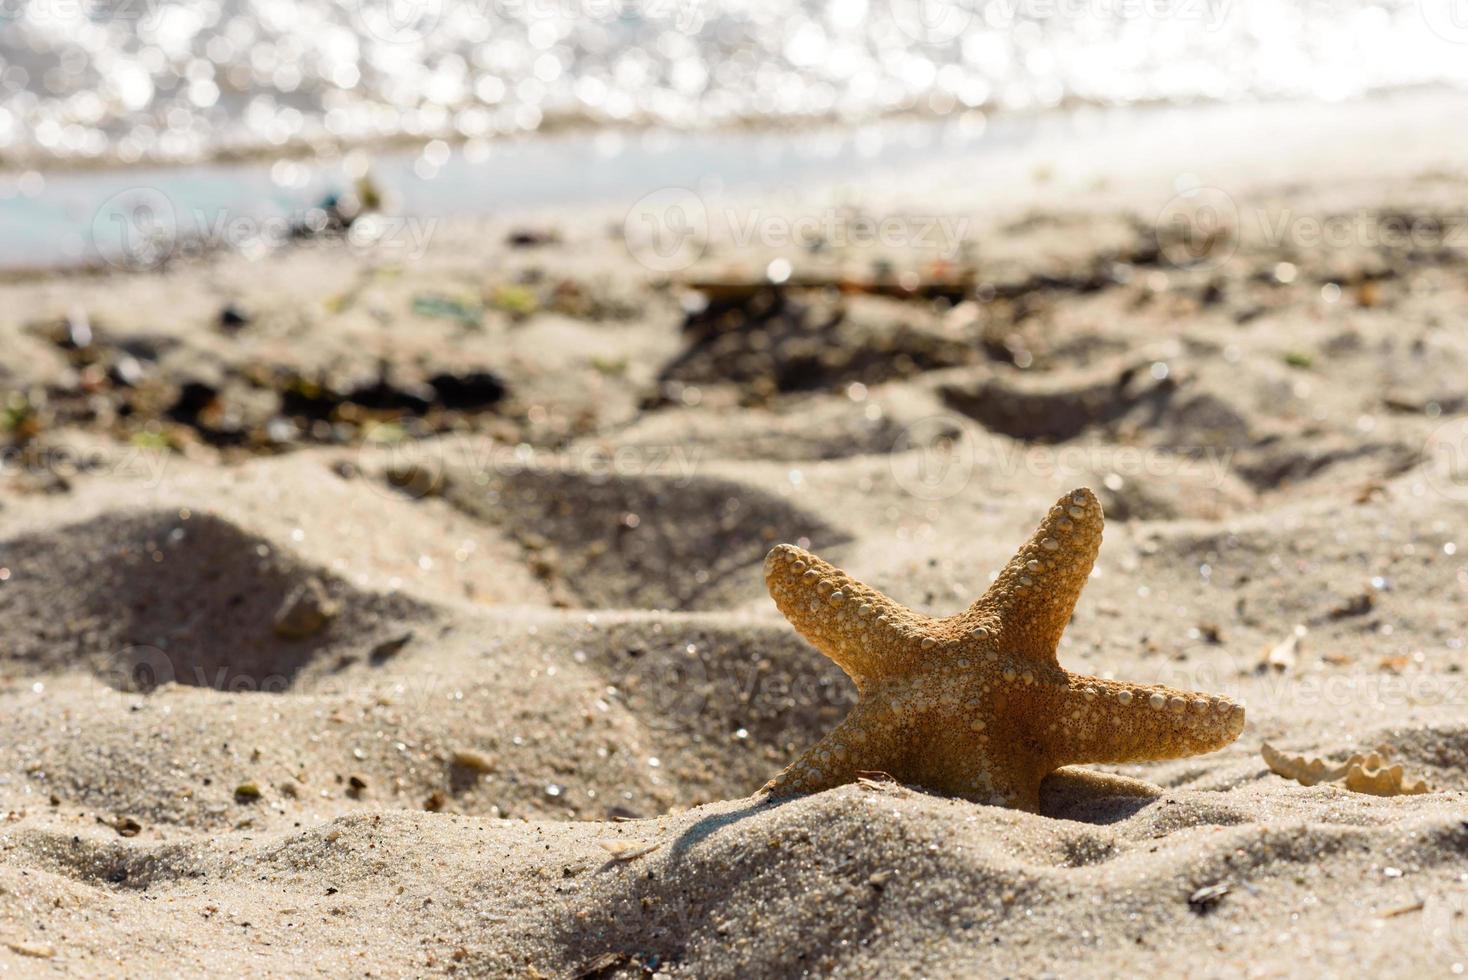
point(643, 541)
point(709, 892)
point(770, 340)
point(156, 597)
point(864, 422)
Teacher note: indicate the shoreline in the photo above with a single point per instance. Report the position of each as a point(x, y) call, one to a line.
point(540, 175)
point(302, 152)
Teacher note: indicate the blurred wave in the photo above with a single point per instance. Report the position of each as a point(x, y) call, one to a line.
point(128, 81)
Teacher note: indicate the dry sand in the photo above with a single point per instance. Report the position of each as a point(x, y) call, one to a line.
point(535, 676)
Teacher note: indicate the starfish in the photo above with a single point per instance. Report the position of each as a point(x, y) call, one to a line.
point(976, 705)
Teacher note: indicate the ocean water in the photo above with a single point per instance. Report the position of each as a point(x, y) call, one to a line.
point(133, 82)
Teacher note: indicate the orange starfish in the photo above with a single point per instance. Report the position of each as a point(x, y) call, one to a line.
point(975, 705)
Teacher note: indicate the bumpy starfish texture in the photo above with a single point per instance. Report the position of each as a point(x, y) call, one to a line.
point(975, 705)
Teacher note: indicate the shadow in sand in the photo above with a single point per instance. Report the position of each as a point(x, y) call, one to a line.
point(1081, 795)
point(718, 821)
point(1087, 796)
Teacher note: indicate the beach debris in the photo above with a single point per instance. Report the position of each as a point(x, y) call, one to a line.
point(77, 331)
point(470, 390)
point(195, 399)
point(474, 761)
point(1284, 654)
point(436, 801)
point(770, 341)
point(1407, 909)
point(19, 418)
point(1367, 773)
point(603, 965)
point(1206, 899)
point(306, 611)
point(36, 951)
point(126, 826)
point(414, 480)
point(338, 211)
point(1373, 776)
point(356, 786)
point(1357, 605)
point(390, 648)
point(624, 850)
point(939, 280)
point(880, 782)
point(370, 196)
point(532, 237)
point(127, 371)
point(233, 318)
point(445, 308)
point(247, 792)
point(1002, 650)
point(1369, 491)
point(1306, 772)
point(514, 299)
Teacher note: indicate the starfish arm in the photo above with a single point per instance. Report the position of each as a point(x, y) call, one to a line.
point(1106, 721)
point(868, 739)
point(1027, 608)
point(864, 632)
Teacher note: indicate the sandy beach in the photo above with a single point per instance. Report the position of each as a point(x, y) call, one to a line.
point(365, 614)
